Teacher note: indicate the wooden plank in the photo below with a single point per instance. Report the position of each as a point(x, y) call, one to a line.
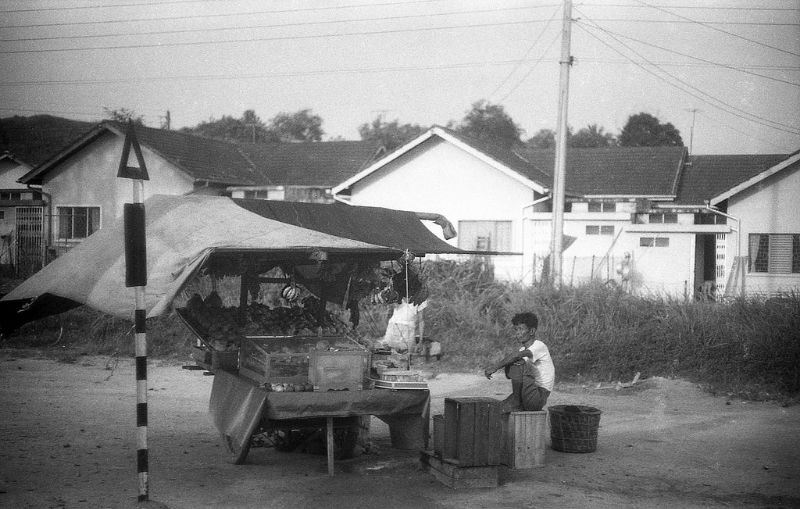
point(466, 433)
point(450, 428)
point(496, 434)
point(438, 435)
point(329, 443)
point(452, 475)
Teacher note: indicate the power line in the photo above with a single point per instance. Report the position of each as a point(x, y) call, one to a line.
point(274, 38)
point(707, 99)
point(696, 7)
point(748, 134)
point(251, 27)
point(788, 68)
point(674, 22)
point(211, 77)
point(226, 14)
point(533, 67)
point(719, 29)
point(525, 57)
point(702, 59)
point(112, 6)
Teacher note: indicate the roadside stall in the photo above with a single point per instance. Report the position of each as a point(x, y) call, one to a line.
point(282, 361)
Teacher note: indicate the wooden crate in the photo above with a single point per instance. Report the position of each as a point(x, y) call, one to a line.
point(452, 474)
point(473, 433)
point(525, 439)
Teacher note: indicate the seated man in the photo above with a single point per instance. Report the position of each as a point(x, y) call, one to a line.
point(530, 369)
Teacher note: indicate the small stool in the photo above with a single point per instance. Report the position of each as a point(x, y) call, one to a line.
point(525, 439)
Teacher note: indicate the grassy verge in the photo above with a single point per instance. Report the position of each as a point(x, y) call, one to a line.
point(746, 347)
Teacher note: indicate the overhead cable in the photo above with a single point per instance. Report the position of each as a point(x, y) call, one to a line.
point(699, 94)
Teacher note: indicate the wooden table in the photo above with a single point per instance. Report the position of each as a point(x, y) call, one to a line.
point(238, 407)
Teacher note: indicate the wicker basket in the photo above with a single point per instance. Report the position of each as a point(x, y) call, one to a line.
point(573, 428)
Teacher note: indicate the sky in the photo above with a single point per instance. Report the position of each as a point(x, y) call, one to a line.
point(726, 73)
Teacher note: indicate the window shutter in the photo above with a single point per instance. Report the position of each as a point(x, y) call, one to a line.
point(780, 254)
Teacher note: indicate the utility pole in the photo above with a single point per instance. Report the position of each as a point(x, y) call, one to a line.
point(693, 111)
point(559, 174)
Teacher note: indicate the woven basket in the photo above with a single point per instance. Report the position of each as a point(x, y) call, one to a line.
point(573, 428)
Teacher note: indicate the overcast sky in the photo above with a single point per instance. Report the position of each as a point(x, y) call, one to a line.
point(731, 68)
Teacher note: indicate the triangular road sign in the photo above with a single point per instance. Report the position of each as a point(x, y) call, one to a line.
point(132, 172)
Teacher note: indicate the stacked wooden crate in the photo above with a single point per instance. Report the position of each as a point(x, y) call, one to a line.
point(467, 443)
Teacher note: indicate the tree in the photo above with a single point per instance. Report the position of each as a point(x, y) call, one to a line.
point(544, 138)
point(300, 126)
point(390, 134)
point(124, 115)
point(644, 130)
point(490, 123)
point(591, 136)
point(249, 129)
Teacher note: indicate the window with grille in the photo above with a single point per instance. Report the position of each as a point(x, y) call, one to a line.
point(774, 253)
point(484, 235)
point(77, 222)
point(602, 206)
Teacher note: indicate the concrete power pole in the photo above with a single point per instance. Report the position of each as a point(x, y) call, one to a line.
point(559, 174)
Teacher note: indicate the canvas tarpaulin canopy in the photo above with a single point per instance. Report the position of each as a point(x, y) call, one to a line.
point(184, 231)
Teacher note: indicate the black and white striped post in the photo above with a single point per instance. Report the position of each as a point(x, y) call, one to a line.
point(136, 277)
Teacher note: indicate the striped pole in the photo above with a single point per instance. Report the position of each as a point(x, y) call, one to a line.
point(135, 212)
point(136, 278)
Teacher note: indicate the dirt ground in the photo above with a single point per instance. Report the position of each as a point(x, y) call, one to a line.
point(68, 440)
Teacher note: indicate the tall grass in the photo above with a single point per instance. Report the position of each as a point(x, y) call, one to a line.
point(746, 346)
point(603, 333)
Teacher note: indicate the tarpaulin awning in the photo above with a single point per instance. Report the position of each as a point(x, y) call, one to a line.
point(183, 231)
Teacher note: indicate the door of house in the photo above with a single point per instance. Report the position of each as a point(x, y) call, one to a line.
point(30, 240)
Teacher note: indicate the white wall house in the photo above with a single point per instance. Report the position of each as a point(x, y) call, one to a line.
point(767, 206)
point(642, 209)
point(484, 198)
point(83, 192)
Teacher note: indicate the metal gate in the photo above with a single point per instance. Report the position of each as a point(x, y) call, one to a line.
point(30, 240)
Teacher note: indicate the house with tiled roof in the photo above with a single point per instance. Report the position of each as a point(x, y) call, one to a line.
point(82, 191)
point(304, 171)
point(641, 217)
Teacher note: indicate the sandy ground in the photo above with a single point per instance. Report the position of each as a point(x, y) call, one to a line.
point(68, 440)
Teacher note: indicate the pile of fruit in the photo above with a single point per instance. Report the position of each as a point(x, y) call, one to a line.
point(287, 387)
point(293, 321)
point(223, 329)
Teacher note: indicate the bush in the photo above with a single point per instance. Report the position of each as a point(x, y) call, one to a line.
point(745, 346)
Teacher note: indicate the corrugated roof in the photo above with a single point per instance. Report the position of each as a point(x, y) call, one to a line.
point(710, 175)
point(310, 163)
point(627, 171)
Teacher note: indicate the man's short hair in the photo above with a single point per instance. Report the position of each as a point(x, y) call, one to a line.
point(529, 319)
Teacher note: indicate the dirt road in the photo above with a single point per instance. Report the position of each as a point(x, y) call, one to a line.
point(68, 441)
